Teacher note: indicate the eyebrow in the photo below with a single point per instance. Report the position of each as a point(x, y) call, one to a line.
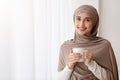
point(85, 17)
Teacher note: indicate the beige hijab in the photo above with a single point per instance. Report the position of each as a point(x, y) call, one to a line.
point(101, 48)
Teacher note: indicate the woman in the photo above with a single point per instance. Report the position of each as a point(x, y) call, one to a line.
point(99, 59)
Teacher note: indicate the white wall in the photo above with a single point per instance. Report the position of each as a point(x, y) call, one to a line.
point(21, 40)
point(110, 24)
point(16, 40)
point(4, 40)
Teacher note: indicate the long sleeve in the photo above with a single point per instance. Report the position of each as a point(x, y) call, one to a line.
point(64, 74)
point(97, 70)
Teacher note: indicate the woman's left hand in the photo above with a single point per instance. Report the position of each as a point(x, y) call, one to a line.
point(87, 56)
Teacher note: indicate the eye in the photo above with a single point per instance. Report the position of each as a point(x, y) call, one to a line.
point(78, 18)
point(87, 20)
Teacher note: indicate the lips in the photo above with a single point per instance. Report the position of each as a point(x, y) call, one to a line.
point(82, 28)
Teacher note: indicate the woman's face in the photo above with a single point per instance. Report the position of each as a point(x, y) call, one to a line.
point(83, 24)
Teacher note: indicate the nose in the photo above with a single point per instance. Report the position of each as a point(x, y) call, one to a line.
point(81, 23)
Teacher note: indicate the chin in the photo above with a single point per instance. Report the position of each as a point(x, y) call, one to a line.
point(81, 34)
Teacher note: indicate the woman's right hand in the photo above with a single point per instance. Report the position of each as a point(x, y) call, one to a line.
point(73, 59)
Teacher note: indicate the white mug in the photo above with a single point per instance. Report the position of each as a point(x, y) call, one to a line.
point(79, 51)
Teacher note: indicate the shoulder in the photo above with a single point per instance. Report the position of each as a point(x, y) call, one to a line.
point(67, 43)
point(106, 41)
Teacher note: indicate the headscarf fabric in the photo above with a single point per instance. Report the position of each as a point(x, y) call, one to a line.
point(101, 49)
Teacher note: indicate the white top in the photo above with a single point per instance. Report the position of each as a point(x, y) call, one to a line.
point(97, 70)
point(64, 74)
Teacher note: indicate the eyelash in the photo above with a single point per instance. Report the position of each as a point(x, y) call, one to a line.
point(85, 19)
point(78, 19)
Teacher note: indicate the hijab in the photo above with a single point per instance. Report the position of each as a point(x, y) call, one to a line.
point(101, 49)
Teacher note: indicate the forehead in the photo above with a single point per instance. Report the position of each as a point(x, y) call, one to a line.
point(83, 15)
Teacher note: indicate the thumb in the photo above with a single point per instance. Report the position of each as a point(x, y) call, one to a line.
point(71, 50)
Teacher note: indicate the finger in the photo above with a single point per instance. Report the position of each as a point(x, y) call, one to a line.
point(74, 61)
point(71, 55)
point(87, 55)
point(86, 51)
point(88, 58)
point(71, 51)
point(74, 56)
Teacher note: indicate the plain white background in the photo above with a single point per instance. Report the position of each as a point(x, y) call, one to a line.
point(110, 24)
point(31, 32)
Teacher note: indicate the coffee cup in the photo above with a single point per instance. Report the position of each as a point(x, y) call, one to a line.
point(79, 51)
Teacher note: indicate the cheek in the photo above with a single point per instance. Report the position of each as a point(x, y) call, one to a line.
point(89, 27)
point(76, 25)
